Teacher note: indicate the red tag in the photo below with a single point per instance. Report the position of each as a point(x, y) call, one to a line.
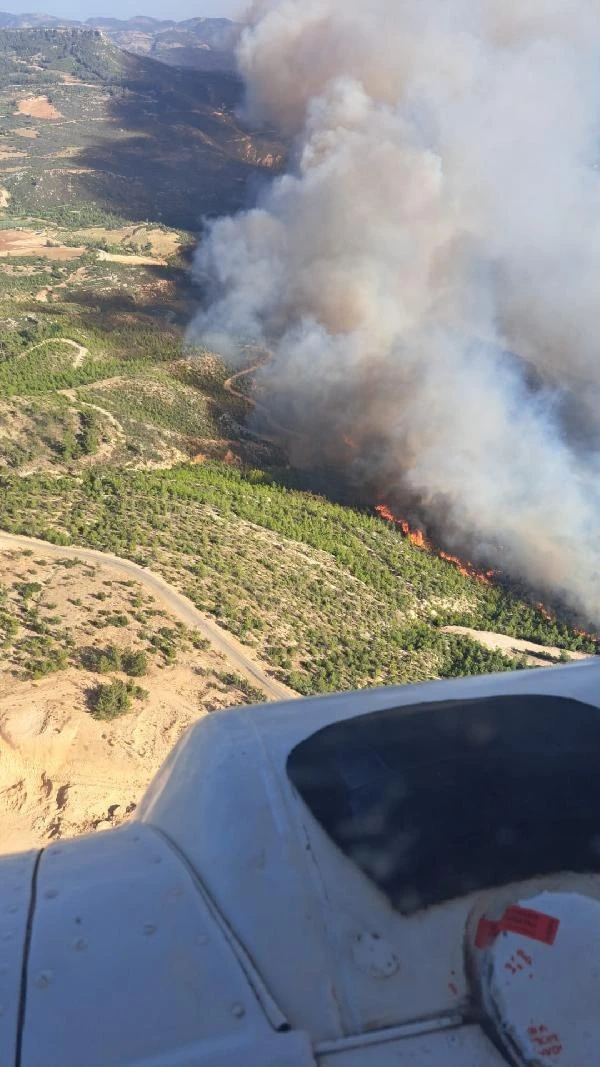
point(530, 923)
point(487, 932)
point(516, 920)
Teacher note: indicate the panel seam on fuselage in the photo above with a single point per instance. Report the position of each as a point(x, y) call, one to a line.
point(25, 964)
point(269, 1006)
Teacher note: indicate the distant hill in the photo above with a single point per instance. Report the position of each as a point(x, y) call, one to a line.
point(198, 43)
point(25, 21)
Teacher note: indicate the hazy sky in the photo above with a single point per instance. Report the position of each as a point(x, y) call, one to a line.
point(174, 9)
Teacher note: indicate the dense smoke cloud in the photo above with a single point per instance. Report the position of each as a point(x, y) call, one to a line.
point(426, 274)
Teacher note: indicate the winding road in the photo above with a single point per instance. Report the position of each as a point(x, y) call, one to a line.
point(81, 352)
point(230, 387)
point(178, 604)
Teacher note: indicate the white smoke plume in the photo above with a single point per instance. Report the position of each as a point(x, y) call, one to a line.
point(426, 275)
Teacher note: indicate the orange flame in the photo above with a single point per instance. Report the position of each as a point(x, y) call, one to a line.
point(385, 513)
point(550, 615)
point(465, 567)
point(468, 569)
point(418, 538)
point(545, 612)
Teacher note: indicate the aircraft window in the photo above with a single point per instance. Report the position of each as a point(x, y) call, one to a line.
point(439, 800)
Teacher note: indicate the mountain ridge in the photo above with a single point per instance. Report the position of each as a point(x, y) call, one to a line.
point(200, 43)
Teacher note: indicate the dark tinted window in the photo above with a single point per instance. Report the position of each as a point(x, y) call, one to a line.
point(437, 800)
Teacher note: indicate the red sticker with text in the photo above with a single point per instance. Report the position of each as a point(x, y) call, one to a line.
point(516, 920)
point(530, 923)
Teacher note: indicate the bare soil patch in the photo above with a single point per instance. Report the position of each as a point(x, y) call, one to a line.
point(536, 655)
point(162, 243)
point(26, 131)
point(26, 243)
point(63, 772)
point(38, 107)
point(131, 260)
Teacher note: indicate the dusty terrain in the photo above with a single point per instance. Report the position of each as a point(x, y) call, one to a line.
point(162, 242)
point(536, 655)
point(26, 243)
point(131, 260)
point(63, 772)
point(48, 244)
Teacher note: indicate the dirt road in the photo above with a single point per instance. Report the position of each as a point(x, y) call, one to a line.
point(81, 352)
point(178, 604)
point(106, 449)
point(44, 293)
point(230, 385)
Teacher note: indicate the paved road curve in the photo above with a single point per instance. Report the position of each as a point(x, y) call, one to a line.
point(178, 604)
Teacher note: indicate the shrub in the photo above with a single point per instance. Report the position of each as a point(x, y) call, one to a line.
point(135, 663)
point(252, 692)
point(27, 589)
point(110, 700)
point(199, 642)
point(56, 660)
point(57, 537)
point(109, 660)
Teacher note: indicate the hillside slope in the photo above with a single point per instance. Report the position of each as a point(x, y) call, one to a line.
point(87, 129)
point(71, 630)
point(331, 597)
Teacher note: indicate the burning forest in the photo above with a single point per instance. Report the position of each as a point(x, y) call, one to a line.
point(418, 538)
point(425, 273)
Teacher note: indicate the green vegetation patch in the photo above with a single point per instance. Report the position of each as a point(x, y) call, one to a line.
point(109, 700)
point(107, 660)
point(50, 368)
point(32, 643)
point(332, 597)
point(159, 400)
